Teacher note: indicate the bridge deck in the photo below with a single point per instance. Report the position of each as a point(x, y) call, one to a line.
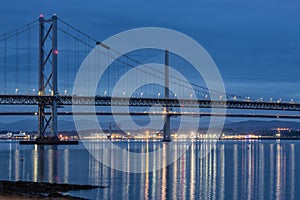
point(147, 102)
point(194, 114)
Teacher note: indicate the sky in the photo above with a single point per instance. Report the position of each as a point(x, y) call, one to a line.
point(255, 44)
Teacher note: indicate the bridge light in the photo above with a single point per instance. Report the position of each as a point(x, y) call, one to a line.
point(158, 94)
point(105, 93)
point(55, 51)
point(292, 100)
point(271, 99)
point(142, 94)
point(33, 90)
point(124, 93)
point(175, 95)
point(17, 90)
point(41, 15)
point(206, 96)
point(234, 98)
point(191, 96)
point(221, 96)
point(66, 91)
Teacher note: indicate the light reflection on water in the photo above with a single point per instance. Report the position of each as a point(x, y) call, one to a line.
point(232, 170)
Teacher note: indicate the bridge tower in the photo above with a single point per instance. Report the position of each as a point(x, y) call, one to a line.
point(167, 128)
point(47, 78)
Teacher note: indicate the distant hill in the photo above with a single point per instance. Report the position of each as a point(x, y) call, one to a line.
point(32, 125)
point(242, 126)
point(256, 125)
point(22, 125)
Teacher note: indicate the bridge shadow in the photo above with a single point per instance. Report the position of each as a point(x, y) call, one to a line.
point(37, 163)
point(46, 162)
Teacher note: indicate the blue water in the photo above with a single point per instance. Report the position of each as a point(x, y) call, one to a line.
point(232, 170)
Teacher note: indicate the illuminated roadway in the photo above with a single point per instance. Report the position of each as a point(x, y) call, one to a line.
point(148, 102)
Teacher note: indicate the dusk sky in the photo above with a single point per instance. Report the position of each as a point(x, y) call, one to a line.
point(255, 44)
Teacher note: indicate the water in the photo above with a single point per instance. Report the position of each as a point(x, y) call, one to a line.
point(232, 170)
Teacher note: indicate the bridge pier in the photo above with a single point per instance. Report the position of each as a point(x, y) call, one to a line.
point(47, 79)
point(47, 37)
point(167, 125)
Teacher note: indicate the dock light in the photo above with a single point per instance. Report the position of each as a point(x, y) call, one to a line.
point(56, 52)
point(41, 15)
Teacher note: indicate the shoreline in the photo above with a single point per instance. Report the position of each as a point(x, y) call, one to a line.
point(40, 190)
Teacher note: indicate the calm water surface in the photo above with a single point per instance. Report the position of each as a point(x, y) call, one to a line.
point(232, 170)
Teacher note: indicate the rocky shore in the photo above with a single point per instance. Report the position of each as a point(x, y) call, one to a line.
point(39, 190)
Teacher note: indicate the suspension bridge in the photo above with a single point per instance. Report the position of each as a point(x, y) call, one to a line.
point(39, 62)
